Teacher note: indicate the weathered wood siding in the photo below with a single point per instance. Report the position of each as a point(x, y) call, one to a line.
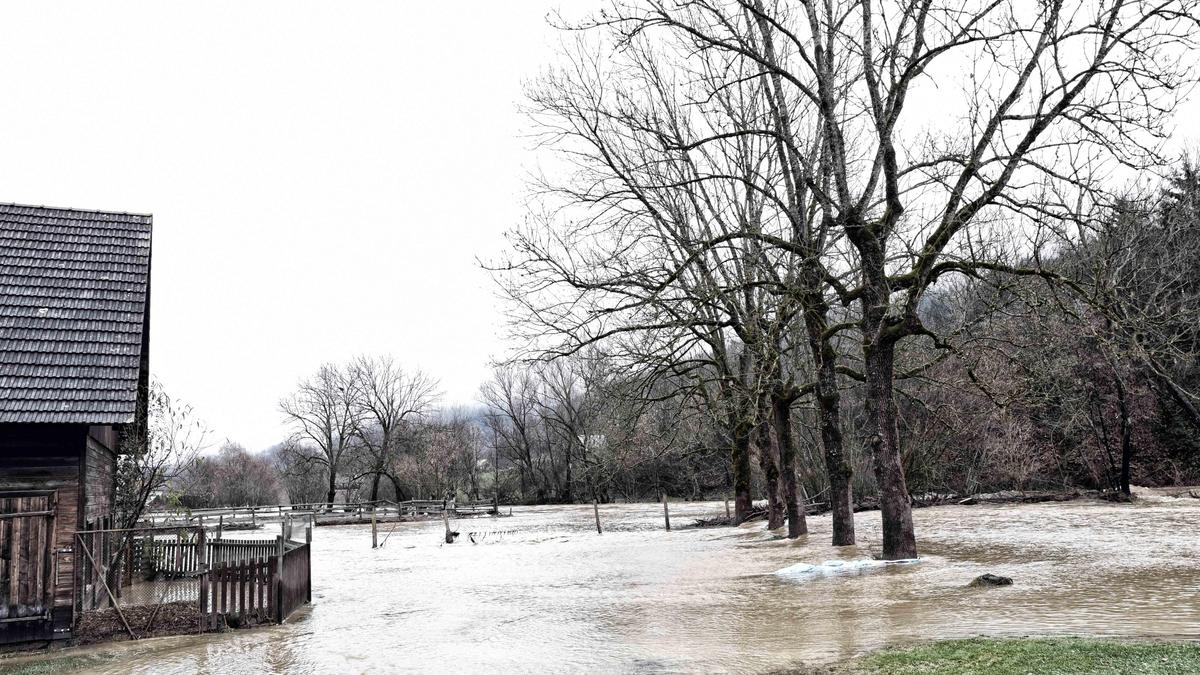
point(47, 457)
point(99, 478)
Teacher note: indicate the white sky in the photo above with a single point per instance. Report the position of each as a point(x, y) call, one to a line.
point(322, 175)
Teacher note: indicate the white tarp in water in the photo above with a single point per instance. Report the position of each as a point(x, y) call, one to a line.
point(802, 571)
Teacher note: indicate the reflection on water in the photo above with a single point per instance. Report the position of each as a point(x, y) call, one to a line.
point(549, 594)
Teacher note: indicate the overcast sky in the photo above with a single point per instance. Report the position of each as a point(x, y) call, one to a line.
point(322, 175)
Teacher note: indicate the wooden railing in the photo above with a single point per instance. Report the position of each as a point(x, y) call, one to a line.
point(255, 516)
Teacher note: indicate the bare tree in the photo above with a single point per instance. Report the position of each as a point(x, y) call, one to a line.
point(323, 411)
point(1051, 94)
point(388, 399)
point(511, 418)
point(154, 455)
point(303, 479)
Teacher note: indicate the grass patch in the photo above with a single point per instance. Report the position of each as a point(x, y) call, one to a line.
point(48, 664)
point(1051, 656)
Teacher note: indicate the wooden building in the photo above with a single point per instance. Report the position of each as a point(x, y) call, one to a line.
point(74, 345)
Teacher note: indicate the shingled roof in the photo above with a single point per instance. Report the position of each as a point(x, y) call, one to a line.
point(74, 292)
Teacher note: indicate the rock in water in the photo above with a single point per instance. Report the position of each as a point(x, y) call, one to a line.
point(990, 580)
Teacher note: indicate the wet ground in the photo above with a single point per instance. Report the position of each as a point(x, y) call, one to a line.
point(542, 592)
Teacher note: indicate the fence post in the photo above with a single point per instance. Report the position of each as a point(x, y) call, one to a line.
point(205, 620)
point(308, 559)
point(596, 509)
point(201, 547)
point(278, 580)
point(727, 516)
point(128, 560)
point(374, 531)
point(666, 512)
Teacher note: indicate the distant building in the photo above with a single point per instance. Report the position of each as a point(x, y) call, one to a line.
point(74, 346)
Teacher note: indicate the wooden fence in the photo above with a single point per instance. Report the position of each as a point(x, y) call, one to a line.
point(237, 582)
point(257, 590)
point(240, 592)
point(319, 513)
point(178, 557)
point(295, 581)
point(227, 550)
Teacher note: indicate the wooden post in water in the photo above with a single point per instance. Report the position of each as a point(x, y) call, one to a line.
point(254, 518)
point(727, 516)
point(596, 509)
point(279, 580)
point(446, 521)
point(666, 512)
point(221, 526)
point(202, 568)
point(205, 618)
point(374, 531)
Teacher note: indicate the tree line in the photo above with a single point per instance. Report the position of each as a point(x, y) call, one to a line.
point(846, 252)
point(881, 247)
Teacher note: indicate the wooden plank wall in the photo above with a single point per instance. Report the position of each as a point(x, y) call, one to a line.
point(99, 474)
point(48, 457)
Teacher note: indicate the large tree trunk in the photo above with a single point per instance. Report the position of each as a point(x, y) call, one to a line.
point(829, 411)
point(781, 408)
point(899, 541)
point(837, 467)
point(768, 460)
point(332, 493)
point(375, 487)
point(740, 456)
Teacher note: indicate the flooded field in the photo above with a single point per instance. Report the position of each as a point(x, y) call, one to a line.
point(542, 592)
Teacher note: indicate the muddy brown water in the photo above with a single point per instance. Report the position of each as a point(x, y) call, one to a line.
point(543, 592)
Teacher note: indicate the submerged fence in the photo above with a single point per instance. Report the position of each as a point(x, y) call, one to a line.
point(258, 589)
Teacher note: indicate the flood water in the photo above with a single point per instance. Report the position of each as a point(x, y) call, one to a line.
point(543, 592)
